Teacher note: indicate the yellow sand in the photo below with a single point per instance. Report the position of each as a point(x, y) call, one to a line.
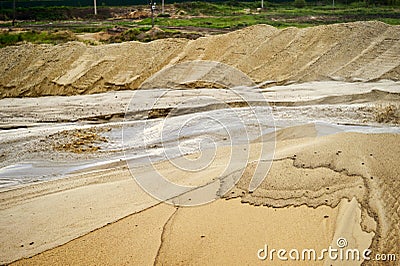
point(352, 51)
point(361, 205)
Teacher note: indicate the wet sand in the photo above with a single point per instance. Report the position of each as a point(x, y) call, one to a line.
point(303, 203)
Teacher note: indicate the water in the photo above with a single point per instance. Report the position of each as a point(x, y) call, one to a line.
point(142, 141)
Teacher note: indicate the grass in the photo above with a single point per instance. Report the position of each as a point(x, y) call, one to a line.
point(212, 9)
point(356, 10)
point(238, 14)
point(143, 34)
point(89, 29)
point(73, 26)
point(7, 39)
point(222, 15)
point(390, 21)
point(235, 22)
point(49, 13)
point(233, 8)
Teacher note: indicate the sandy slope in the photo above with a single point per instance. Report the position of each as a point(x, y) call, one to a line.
point(316, 173)
point(353, 51)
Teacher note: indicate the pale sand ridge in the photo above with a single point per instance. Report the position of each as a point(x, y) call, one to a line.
point(353, 51)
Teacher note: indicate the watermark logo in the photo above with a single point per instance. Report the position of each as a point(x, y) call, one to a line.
point(339, 253)
point(341, 242)
point(197, 141)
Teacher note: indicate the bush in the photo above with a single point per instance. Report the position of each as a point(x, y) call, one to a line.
point(165, 15)
point(7, 39)
point(299, 3)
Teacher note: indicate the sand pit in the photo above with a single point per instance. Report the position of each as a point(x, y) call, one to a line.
point(73, 163)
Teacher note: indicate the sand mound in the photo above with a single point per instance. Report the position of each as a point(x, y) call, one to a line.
point(198, 74)
point(354, 51)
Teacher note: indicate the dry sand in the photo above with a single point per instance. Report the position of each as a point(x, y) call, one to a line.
point(353, 51)
point(319, 188)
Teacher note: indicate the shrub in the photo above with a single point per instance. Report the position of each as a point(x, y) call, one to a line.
point(7, 39)
point(299, 3)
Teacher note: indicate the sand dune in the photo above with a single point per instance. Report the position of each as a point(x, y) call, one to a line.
point(354, 51)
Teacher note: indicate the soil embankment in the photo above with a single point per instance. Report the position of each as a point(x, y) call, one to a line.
point(361, 51)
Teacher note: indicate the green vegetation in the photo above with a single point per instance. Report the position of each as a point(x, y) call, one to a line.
point(215, 9)
point(239, 15)
point(185, 19)
point(224, 22)
point(7, 39)
point(299, 3)
point(145, 34)
point(366, 9)
point(49, 13)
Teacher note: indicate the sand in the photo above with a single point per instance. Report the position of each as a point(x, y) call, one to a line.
point(53, 213)
point(359, 51)
point(68, 197)
point(313, 194)
point(185, 242)
point(66, 131)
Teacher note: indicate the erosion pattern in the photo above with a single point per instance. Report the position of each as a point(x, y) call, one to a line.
point(355, 51)
point(321, 174)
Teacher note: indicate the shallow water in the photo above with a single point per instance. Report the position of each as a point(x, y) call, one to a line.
point(193, 125)
point(193, 137)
